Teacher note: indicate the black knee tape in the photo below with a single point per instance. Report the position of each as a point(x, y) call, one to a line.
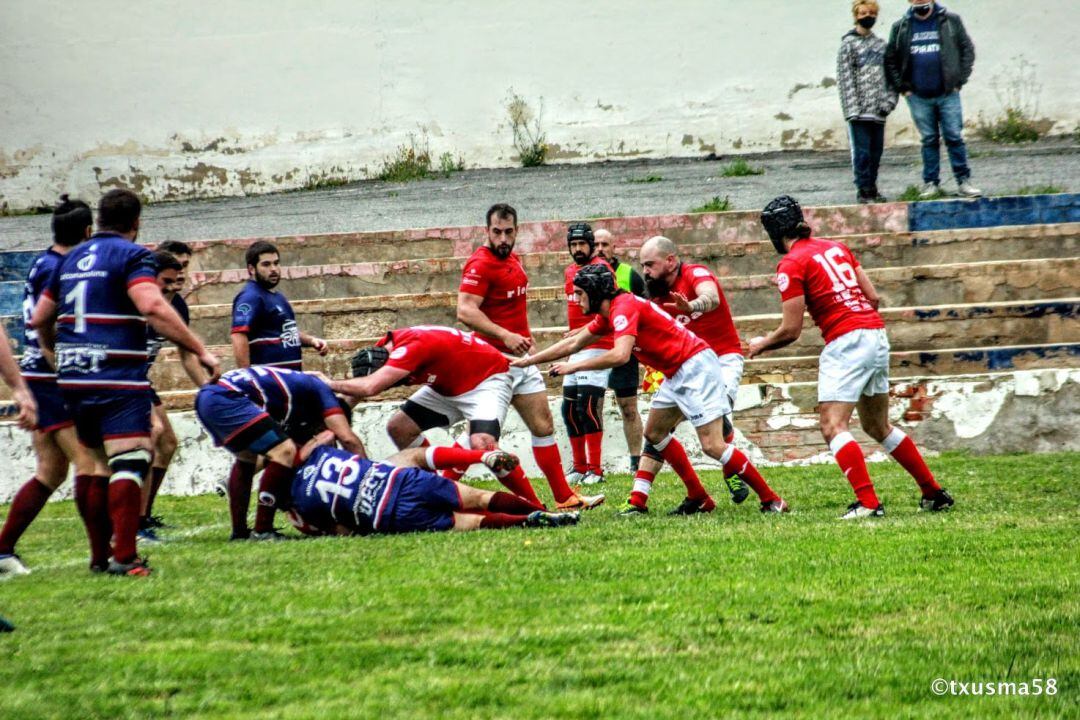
point(570, 417)
point(591, 407)
point(424, 418)
point(488, 427)
point(650, 451)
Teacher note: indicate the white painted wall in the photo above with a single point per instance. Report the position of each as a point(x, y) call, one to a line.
point(181, 99)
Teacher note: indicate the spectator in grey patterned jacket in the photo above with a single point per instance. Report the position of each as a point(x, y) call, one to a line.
point(865, 97)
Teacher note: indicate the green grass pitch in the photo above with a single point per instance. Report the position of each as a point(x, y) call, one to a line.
point(728, 615)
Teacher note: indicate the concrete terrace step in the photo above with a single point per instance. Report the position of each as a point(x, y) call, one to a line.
point(349, 278)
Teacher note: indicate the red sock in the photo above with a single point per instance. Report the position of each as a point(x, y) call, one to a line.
point(496, 521)
point(516, 482)
point(273, 488)
point(903, 450)
point(157, 475)
point(125, 500)
point(850, 458)
point(92, 501)
point(595, 444)
point(737, 463)
point(454, 473)
point(675, 455)
point(452, 457)
point(25, 506)
point(579, 453)
point(240, 478)
point(548, 458)
point(507, 503)
point(643, 480)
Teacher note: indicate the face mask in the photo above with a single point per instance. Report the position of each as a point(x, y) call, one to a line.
point(867, 22)
point(924, 11)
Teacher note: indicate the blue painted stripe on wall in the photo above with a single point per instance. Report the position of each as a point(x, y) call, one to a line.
point(15, 265)
point(11, 298)
point(993, 212)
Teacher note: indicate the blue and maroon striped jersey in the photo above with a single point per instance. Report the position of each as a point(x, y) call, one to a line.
point(267, 318)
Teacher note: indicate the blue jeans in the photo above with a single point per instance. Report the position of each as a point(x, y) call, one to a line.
point(867, 144)
point(945, 112)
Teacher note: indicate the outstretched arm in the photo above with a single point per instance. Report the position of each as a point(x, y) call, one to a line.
point(561, 349)
point(373, 384)
point(163, 317)
point(618, 355)
point(789, 331)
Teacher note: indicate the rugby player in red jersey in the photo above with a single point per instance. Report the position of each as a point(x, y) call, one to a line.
point(492, 301)
point(691, 293)
point(693, 389)
point(824, 277)
point(463, 378)
point(583, 392)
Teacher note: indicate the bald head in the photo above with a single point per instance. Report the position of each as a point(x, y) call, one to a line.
point(605, 244)
point(659, 262)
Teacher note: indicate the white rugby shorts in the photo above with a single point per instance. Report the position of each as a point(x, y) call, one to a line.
point(731, 370)
point(853, 365)
point(596, 378)
point(697, 389)
point(487, 401)
point(526, 381)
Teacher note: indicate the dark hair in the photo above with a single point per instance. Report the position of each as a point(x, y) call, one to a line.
point(70, 220)
point(501, 211)
point(118, 210)
point(802, 231)
point(166, 261)
point(175, 247)
point(257, 248)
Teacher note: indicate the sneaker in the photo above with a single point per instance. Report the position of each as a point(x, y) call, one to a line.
point(629, 509)
point(6, 626)
point(775, 506)
point(221, 488)
point(863, 197)
point(573, 477)
point(967, 190)
point(877, 196)
point(136, 568)
point(941, 500)
point(591, 478)
point(269, 536)
point(929, 191)
point(155, 521)
point(581, 502)
point(12, 565)
point(500, 462)
point(147, 535)
point(234, 536)
point(539, 518)
point(857, 511)
point(690, 506)
point(738, 489)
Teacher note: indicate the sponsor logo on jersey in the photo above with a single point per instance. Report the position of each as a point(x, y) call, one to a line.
point(620, 323)
point(782, 281)
point(243, 308)
point(701, 272)
point(86, 262)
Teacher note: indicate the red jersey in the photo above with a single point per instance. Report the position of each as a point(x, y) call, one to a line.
point(660, 342)
point(503, 284)
point(715, 327)
point(574, 316)
point(824, 272)
point(452, 362)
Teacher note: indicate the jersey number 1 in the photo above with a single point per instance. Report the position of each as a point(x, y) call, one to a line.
point(77, 296)
point(840, 272)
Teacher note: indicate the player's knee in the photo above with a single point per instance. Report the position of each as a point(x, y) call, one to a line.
point(401, 429)
point(130, 465)
point(52, 471)
point(482, 441)
point(629, 410)
point(166, 444)
point(876, 428)
point(284, 453)
point(651, 440)
point(713, 446)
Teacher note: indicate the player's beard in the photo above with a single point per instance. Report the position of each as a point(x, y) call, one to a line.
point(269, 282)
point(580, 258)
point(657, 287)
point(502, 250)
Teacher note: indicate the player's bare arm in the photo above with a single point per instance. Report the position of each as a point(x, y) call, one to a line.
point(789, 331)
point(361, 387)
point(339, 425)
point(470, 314)
point(708, 299)
point(867, 287)
point(618, 355)
point(9, 371)
point(241, 349)
point(194, 369)
point(316, 343)
point(163, 317)
point(561, 349)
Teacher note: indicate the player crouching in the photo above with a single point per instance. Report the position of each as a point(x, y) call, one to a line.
point(824, 277)
point(692, 391)
point(335, 492)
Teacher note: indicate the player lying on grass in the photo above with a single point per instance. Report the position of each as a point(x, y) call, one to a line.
point(335, 492)
point(463, 378)
point(247, 411)
point(824, 277)
point(694, 388)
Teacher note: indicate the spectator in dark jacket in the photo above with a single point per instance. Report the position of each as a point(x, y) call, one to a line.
point(865, 97)
point(928, 59)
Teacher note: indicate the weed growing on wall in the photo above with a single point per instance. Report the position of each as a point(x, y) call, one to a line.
point(717, 204)
point(1017, 91)
point(448, 164)
point(527, 126)
point(408, 162)
point(741, 168)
